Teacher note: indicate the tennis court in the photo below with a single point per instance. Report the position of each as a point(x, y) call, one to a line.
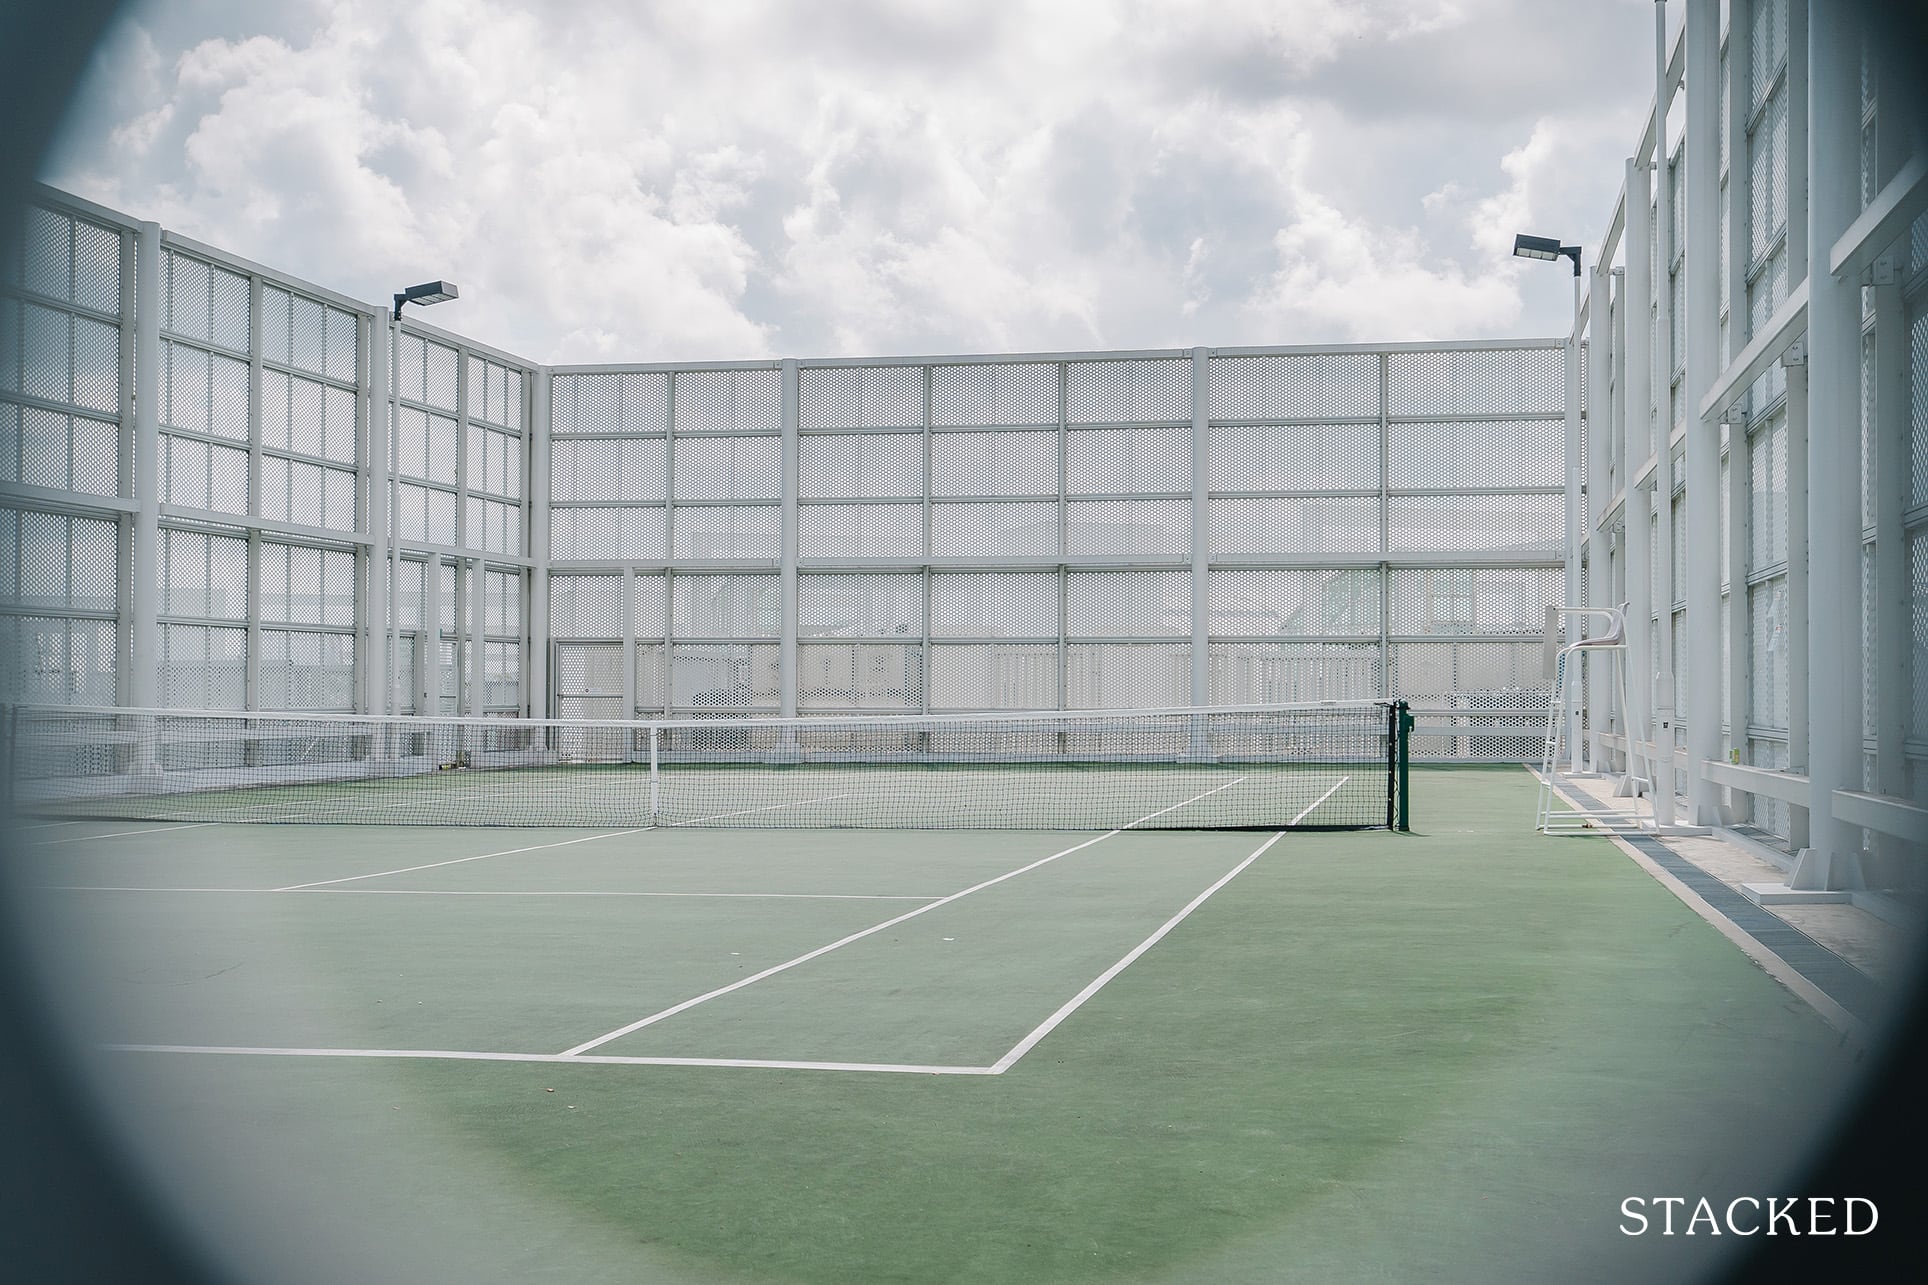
point(831, 1054)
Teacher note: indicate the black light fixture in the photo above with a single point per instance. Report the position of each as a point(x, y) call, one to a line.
point(1546, 248)
point(426, 293)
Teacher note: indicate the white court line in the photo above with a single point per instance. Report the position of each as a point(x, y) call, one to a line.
point(117, 834)
point(600, 1059)
point(507, 852)
point(1316, 802)
point(46, 825)
point(471, 892)
point(1072, 1005)
point(687, 1004)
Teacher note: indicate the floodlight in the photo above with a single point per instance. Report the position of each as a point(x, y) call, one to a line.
point(1547, 248)
point(426, 293)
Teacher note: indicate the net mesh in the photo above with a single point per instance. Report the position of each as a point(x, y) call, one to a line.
point(1331, 766)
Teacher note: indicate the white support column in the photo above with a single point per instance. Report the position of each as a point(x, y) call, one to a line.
point(535, 659)
point(1614, 429)
point(428, 661)
point(1637, 379)
point(628, 602)
point(1794, 363)
point(1890, 467)
point(1701, 291)
point(787, 571)
point(1665, 663)
point(372, 610)
point(1600, 430)
point(141, 682)
point(478, 649)
point(1201, 574)
point(1739, 444)
point(1574, 624)
point(1834, 449)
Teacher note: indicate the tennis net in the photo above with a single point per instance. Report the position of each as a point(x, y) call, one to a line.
point(1326, 766)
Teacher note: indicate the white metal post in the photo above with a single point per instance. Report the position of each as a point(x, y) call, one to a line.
point(144, 581)
point(1638, 380)
point(1665, 663)
point(535, 661)
point(1571, 691)
point(1200, 569)
point(1600, 428)
point(1834, 448)
point(478, 648)
point(1701, 289)
point(372, 614)
point(787, 570)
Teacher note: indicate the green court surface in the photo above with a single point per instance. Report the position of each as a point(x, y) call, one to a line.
point(894, 1055)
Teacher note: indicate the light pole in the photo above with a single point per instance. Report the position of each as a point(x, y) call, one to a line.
point(429, 292)
point(1549, 249)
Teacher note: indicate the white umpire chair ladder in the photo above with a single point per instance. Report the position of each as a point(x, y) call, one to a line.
point(1610, 647)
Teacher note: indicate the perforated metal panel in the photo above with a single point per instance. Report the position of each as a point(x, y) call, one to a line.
point(604, 533)
point(991, 530)
point(1128, 526)
point(861, 466)
point(1299, 602)
point(861, 397)
point(723, 676)
point(1293, 386)
point(860, 530)
point(617, 402)
point(725, 606)
point(986, 676)
point(203, 667)
point(1129, 391)
point(1768, 672)
point(1127, 604)
point(1472, 600)
point(881, 676)
point(994, 394)
point(1528, 381)
point(627, 469)
point(307, 670)
point(1767, 526)
point(1340, 525)
point(860, 606)
point(1524, 525)
point(728, 400)
point(727, 468)
point(1478, 453)
point(1011, 463)
point(1252, 673)
point(202, 575)
point(587, 607)
point(1123, 675)
point(1116, 461)
point(1287, 457)
point(1000, 604)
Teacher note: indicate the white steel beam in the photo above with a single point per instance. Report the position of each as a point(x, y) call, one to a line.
point(1599, 434)
point(1662, 587)
point(1833, 676)
point(1701, 294)
point(1638, 380)
point(535, 660)
point(141, 686)
point(787, 547)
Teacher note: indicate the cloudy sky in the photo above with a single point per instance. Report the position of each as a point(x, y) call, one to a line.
point(700, 179)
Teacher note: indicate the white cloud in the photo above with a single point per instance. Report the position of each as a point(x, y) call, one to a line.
point(739, 179)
